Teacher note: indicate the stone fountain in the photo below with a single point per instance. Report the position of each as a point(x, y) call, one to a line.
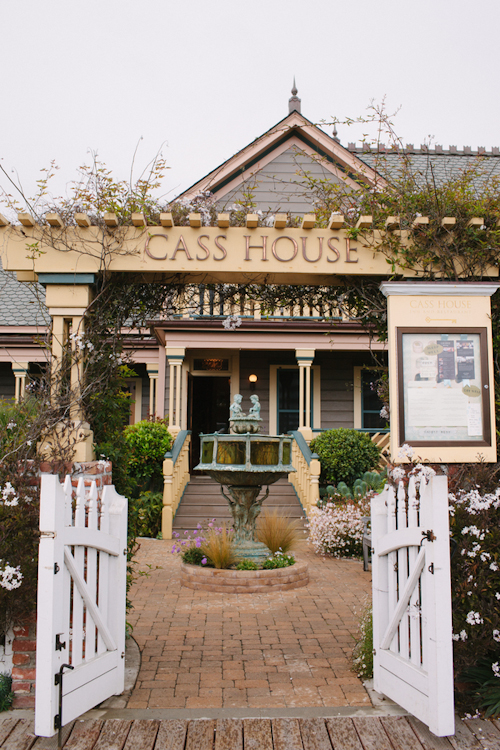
point(244, 462)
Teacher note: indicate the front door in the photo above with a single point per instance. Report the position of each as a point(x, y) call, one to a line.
point(208, 409)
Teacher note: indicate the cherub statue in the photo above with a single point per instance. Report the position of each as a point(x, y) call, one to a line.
point(255, 408)
point(235, 408)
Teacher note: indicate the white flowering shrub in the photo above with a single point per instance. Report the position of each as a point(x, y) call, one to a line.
point(337, 528)
point(475, 529)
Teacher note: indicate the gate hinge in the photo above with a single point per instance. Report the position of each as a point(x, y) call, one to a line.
point(57, 720)
point(431, 568)
point(56, 568)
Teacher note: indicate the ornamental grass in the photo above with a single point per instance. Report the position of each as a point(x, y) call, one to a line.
point(218, 547)
point(278, 531)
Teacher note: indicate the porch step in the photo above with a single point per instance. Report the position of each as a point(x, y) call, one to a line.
point(202, 499)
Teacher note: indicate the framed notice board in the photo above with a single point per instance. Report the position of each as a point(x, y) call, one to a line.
point(444, 396)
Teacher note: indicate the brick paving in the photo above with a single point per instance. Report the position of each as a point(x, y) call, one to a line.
point(282, 649)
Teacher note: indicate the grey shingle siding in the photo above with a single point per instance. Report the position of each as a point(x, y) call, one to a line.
point(278, 187)
point(21, 304)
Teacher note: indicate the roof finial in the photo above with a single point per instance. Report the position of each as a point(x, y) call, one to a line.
point(335, 133)
point(294, 101)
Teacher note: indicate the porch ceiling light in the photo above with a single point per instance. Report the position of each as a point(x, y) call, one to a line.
point(308, 221)
point(252, 378)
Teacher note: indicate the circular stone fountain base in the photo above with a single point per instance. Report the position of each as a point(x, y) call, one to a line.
point(244, 581)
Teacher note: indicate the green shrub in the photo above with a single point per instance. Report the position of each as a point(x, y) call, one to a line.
point(6, 694)
point(247, 565)
point(486, 677)
point(147, 442)
point(144, 514)
point(192, 556)
point(344, 455)
point(362, 655)
point(279, 560)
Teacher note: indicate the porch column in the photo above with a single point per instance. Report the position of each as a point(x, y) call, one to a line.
point(175, 358)
point(305, 358)
point(20, 370)
point(152, 369)
point(67, 303)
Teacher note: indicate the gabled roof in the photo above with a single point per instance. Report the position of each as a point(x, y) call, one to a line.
point(294, 131)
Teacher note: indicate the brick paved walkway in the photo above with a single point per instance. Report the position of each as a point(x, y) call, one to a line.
point(281, 649)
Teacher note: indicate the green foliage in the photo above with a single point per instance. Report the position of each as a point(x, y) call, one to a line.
point(362, 656)
point(146, 443)
point(19, 512)
point(486, 683)
point(371, 481)
point(192, 556)
point(344, 454)
point(247, 565)
point(6, 694)
point(144, 514)
point(279, 560)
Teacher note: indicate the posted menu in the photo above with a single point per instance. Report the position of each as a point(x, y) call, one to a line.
point(442, 386)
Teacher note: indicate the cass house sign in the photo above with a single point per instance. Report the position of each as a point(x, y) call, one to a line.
point(289, 255)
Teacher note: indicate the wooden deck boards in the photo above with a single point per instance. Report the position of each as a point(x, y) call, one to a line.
point(367, 733)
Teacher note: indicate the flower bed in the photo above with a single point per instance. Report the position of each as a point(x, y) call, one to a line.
point(225, 581)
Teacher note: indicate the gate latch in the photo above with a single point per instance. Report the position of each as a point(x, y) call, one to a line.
point(59, 644)
point(428, 536)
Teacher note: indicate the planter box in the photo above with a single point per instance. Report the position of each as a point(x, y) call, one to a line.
point(244, 581)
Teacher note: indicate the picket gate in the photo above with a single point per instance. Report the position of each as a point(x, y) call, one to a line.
point(82, 569)
point(412, 625)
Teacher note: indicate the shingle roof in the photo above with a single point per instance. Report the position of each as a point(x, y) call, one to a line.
point(21, 304)
point(442, 166)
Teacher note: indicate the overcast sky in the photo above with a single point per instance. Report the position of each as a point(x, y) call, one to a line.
point(206, 78)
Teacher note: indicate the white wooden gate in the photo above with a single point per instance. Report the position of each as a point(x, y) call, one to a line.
point(80, 644)
point(412, 626)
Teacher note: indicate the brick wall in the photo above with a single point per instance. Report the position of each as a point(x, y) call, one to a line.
point(24, 643)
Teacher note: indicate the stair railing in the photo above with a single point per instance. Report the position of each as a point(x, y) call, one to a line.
point(307, 467)
point(175, 478)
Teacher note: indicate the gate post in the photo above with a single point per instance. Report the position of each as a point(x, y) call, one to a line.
point(380, 583)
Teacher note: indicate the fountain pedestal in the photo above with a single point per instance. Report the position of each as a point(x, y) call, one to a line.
point(244, 464)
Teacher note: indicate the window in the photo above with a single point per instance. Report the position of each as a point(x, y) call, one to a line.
point(367, 404)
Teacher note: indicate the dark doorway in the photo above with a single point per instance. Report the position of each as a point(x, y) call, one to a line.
point(208, 410)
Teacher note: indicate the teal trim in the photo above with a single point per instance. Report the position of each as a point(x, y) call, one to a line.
point(66, 278)
point(302, 445)
point(177, 446)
